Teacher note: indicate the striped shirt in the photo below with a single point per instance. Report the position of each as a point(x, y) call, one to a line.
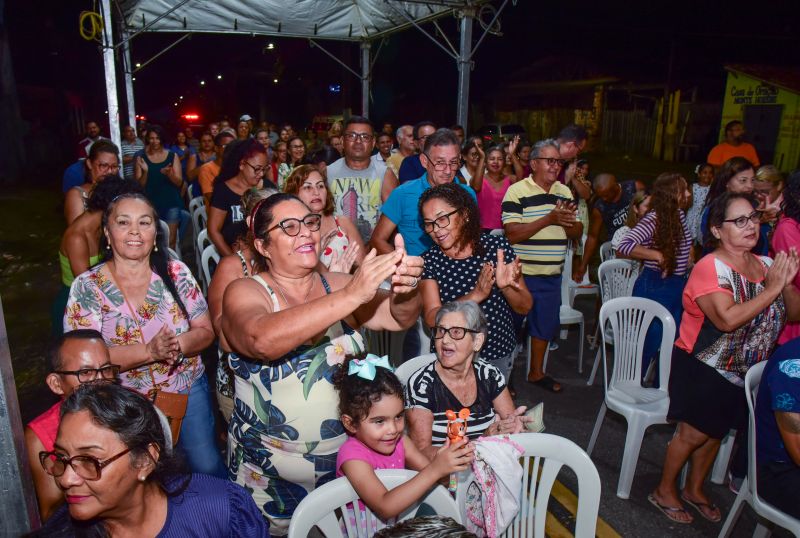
point(642, 234)
point(130, 149)
point(542, 254)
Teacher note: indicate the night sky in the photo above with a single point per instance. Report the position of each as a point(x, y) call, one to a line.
point(413, 79)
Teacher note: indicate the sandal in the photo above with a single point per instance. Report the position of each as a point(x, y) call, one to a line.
point(547, 383)
point(703, 509)
point(670, 511)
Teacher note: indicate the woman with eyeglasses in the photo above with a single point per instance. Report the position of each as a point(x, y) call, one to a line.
point(735, 306)
point(114, 463)
point(295, 157)
point(465, 264)
point(103, 160)
point(243, 168)
point(291, 327)
point(458, 379)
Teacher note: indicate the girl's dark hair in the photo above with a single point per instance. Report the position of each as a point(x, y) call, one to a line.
point(669, 231)
point(729, 168)
point(109, 187)
point(460, 199)
point(134, 419)
point(236, 152)
point(791, 196)
point(261, 221)
point(159, 259)
point(716, 214)
point(469, 143)
point(702, 166)
point(356, 394)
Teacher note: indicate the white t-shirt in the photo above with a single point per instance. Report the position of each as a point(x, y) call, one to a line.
point(357, 194)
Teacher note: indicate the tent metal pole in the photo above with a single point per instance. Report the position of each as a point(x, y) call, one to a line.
point(110, 72)
point(333, 57)
point(414, 23)
point(126, 57)
point(366, 75)
point(464, 67)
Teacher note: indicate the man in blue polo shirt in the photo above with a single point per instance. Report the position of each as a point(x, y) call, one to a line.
point(441, 159)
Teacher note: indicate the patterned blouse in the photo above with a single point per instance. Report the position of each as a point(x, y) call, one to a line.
point(95, 302)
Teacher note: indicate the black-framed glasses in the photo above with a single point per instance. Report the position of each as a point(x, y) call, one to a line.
point(291, 226)
point(442, 221)
point(107, 168)
point(257, 170)
point(551, 161)
point(87, 467)
point(456, 333)
point(741, 222)
point(353, 136)
point(108, 372)
point(441, 166)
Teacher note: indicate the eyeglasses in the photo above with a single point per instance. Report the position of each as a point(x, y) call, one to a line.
point(87, 375)
point(291, 227)
point(442, 221)
point(456, 333)
point(297, 146)
point(87, 467)
point(364, 137)
point(741, 222)
point(107, 167)
point(441, 166)
point(551, 161)
point(257, 170)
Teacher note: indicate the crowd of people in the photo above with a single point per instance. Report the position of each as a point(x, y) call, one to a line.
point(323, 237)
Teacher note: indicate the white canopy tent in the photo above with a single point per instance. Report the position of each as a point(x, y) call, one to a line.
point(360, 21)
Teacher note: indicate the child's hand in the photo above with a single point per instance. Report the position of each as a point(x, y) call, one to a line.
point(454, 457)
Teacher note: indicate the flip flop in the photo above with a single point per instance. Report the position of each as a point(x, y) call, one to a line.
point(547, 383)
point(669, 511)
point(702, 507)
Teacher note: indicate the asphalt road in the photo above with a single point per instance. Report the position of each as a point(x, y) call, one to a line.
point(572, 414)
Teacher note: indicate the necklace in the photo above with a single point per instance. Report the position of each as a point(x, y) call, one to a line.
point(305, 299)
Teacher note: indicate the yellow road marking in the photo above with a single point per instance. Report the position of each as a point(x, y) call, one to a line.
point(553, 528)
point(569, 500)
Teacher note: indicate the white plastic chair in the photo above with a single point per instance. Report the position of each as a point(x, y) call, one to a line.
point(547, 453)
point(326, 506)
point(201, 243)
point(210, 253)
point(567, 315)
point(616, 278)
point(194, 203)
point(629, 318)
point(404, 371)
point(173, 255)
point(607, 252)
point(199, 216)
point(165, 230)
point(584, 287)
point(748, 492)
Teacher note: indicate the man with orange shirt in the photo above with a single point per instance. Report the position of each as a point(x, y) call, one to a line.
point(733, 146)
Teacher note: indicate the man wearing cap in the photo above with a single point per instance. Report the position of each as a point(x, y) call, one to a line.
point(210, 170)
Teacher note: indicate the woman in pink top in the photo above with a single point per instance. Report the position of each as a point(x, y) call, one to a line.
point(787, 234)
point(491, 187)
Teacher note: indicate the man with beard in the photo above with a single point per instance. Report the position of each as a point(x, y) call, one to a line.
point(733, 146)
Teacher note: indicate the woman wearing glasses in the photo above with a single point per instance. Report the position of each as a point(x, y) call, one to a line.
point(114, 464)
point(459, 379)
point(295, 157)
point(736, 304)
point(103, 160)
point(242, 168)
point(291, 326)
point(466, 265)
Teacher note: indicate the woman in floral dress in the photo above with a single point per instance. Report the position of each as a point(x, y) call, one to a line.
point(291, 326)
point(153, 318)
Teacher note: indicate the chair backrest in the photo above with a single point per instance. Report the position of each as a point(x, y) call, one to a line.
point(546, 454)
point(404, 371)
point(327, 505)
point(173, 255)
point(606, 252)
point(209, 253)
point(566, 274)
point(202, 240)
point(194, 203)
point(629, 318)
point(164, 229)
point(616, 278)
point(497, 231)
point(751, 382)
point(199, 217)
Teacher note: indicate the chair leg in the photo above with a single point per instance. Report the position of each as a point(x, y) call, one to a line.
point(683, 475)
point(736, 510)
point(596, 364)
point(595, 342)
point(762, 531)
point(580, 349)
point(544, 362)
point(720, 469)
point(633, 443)
point(601, 415)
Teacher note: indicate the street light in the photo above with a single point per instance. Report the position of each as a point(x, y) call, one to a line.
point(275, 80)
point(202, 82)
point(138, 64)
point(270, 46)
point(219, 77)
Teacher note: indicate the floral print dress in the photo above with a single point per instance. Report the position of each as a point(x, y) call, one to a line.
point(95, 302)
point(285, 430)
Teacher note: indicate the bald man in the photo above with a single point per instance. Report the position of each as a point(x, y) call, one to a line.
point(610, 209)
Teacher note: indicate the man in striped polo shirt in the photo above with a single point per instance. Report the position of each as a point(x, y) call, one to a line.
point(539, 218)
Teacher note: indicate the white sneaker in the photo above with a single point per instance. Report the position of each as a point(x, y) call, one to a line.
point(553, 346)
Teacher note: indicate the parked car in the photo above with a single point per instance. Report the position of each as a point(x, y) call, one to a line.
point(497, 133)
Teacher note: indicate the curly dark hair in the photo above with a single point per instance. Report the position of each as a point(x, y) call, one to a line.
point(109, 187)
point(669, 232)
point(356, 394)
point(729, 168)
point(460, 200)
point(717, 211)
point(791, 197)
